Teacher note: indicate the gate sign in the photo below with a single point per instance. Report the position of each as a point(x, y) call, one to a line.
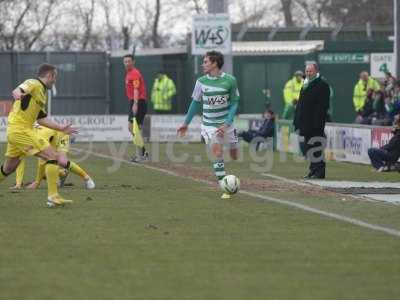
point(382, 63)
point(211, 32)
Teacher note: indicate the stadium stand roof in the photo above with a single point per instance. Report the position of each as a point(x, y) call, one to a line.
point(151, 51)
point(339, 33)
point(243, 48)
point(276, 47)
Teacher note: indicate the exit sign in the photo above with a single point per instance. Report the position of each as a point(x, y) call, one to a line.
point(343, 58)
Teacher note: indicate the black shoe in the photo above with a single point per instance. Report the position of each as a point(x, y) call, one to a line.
point(317, 176)
point(134, 159)
point(140, 158)
point(308, 176)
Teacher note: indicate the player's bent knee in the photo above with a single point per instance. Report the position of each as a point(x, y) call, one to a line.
point(48, 154)
point(9, 166)
point(7, 170)
point(62, 161)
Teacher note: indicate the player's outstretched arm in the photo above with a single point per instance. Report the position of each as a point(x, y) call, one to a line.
point(193, 110)
point(232, 113)
point(67, 129)
point(18, 93)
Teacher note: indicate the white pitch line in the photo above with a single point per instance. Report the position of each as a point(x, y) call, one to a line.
point(286, 179)
point(353, 221)
point(308, 184)
point(360, 223)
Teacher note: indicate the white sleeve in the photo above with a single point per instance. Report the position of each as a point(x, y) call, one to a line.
point(197, 93)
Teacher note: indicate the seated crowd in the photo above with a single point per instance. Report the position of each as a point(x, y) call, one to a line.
point(376, 103)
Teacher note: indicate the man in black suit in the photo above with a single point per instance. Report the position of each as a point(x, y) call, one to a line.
point(310, 118)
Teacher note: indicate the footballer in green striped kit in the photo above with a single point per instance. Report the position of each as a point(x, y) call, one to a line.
point(218, 94)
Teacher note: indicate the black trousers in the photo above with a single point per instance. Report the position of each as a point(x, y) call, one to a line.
point(141, 112)
point(313, 149)
point(248, 135)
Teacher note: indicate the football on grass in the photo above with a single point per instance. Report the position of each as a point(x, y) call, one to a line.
point(230, 184)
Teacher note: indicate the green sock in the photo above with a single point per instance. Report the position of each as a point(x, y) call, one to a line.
point(219, 169)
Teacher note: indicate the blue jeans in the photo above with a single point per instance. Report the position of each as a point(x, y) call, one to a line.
point(379, 157)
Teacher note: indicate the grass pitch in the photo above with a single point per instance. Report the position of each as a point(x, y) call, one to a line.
point(143, 234)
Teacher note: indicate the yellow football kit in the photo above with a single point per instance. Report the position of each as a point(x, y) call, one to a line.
point(22, 139)
point(59, 141)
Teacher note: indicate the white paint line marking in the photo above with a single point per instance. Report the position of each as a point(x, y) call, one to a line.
point(286, 179)
point(320, 184)
point(388, 198)
point(360, 223)
point(342, 218)
point(354, 184)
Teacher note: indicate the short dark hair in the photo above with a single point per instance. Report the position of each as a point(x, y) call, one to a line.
point(44, 69)
point(130, 56)
point(215, 56)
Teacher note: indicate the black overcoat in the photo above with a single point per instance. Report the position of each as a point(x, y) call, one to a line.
point(312, 108)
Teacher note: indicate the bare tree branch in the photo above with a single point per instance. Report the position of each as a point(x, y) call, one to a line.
point(13, 37)
point(287, 12)
point(155, 36)
point(46, 21)
point(87, 16)
point(304, 5)
point(254, 16)
point(106, 5)
point(199, 9)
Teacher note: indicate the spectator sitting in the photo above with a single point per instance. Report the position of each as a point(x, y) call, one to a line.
point(389, 83)
point(266, 130)
point(382, 158)
point(382, 107)
point(395, 101)
point(377, 110)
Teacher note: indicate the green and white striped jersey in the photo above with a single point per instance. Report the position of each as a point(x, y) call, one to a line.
point(217, 94)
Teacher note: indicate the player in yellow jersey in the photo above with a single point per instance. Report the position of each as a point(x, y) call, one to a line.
point(60, 141)
point(30, 107)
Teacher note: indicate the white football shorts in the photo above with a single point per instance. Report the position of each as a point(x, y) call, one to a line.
point(209, 134)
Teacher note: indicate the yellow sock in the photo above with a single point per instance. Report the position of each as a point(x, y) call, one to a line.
point(52, 179)
point(19, 173)
point(76, 169)
point(41, 170)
